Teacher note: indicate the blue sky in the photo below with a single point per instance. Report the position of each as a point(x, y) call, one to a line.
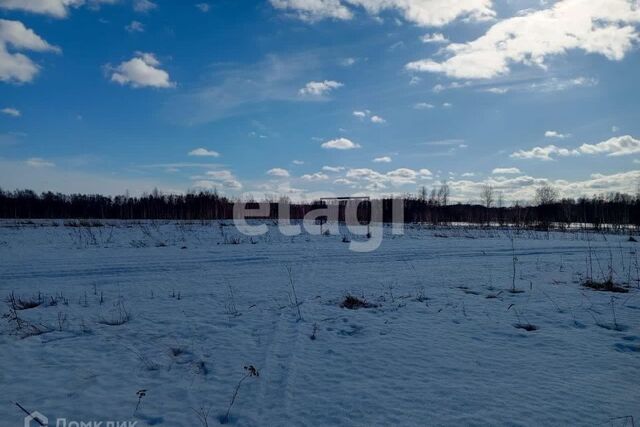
point(311, 97)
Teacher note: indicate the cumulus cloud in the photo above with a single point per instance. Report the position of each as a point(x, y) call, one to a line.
point(420, 12)
point(298, 162)
point(555, 134)
point(497, 90)
point(278, 172)
point(203, 152)
point(38, 162)
point(340, 144)
point(383, 159)
point(423, 106)
point(53, 8)
point(319, 88)
point(348, 62)
point(605, 28)
point(544, 153)
point(374, 180)
point(144, 6)
point(314, 10)
point(434, 38)
point(523, 187)
point(616, 146)
point(334, 169)
point(318, 176)
point(135, 27)
point(218, 179)
point(505, 171)
point(141, 71)
point(203, 7)
point(9, 111)
point(16, 67)
point(362, 114)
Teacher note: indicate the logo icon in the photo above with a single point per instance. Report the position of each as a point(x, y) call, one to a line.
point(37, 418)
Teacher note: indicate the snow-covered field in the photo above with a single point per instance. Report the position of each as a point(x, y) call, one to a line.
point(198, 302)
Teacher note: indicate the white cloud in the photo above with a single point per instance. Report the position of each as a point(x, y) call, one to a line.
point(38, 162)
point(333, 168)
point(319, 88)
point(555, 84)
point(279, 172)
point(555, 134)
point(383, 159)
point(203, 7)
point(544, 153)
point(423, 106)
point(505, 171)
point(141, 71)
point(447, 104)
point(343, 181)
point(314, 10)
point(135, 27)
point(298, 162)
point(16, 67)
point(606, 28)
point(424, 173)
point(616, 146)
point(348, 62)
point(53, 8)
point(218, 179)
point(434, 38)
point(144, 6)
point(222, 175)
point(523, 187)
point(318, 176)
point(340, 144)
point(615, 129)
point(9, 111)
point(375, 180)
point(203, 152)
point(421, 12)
point(362, 114)
point(497, 90)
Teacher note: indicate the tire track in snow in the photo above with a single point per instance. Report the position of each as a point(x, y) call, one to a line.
point(279, 366)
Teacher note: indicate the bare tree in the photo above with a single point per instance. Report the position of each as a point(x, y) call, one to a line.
point(423, 194)
point(546, 195)
point(487, 196)
point(443, 194)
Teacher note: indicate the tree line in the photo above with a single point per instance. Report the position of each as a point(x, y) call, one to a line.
point(548, 210)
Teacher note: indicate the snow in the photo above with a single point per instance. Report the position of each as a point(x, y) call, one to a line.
point(435, 350)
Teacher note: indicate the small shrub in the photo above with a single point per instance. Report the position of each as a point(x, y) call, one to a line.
point(353, 303)
point(606, 286)
point(18, 303)
point(526, 326)
point(119, 317)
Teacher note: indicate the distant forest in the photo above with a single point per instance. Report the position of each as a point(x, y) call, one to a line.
point(613, 210)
